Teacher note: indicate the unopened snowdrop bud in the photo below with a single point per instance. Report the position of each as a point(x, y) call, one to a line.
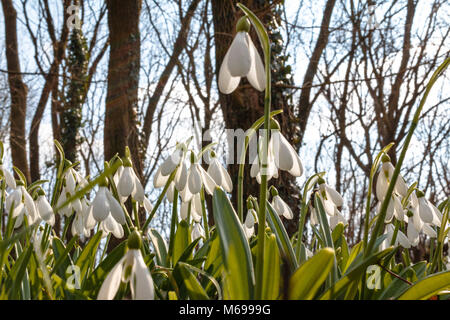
point(281, 207)
point(134, 240)
point(241, 60)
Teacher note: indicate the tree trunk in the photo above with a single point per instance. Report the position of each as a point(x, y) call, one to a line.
point(123, 78)
point(18, 90)
point(245, 105)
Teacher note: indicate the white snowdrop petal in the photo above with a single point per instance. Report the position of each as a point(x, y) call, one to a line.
point(100, 205)
point(143, 286)
point(227, 184)
point(282, 154)
point(181, 177)
point(382, 186)
point(116, 209)
point(214, 171)
point(429, 231)
point(239, 60)
point(426, 213)
point(250, 219)
point(126, 182)
point(401, 187)
point(227, 83)
point(194, 179)
point(112, 282)
point(208, 182)
point(159, 180)
point(437, 215)
point(170, 192)
point(197, 232)
point(256, 76)
point(148, 205)
point(9, 178)
point(138, 193)
point(403, 240)
point(413, 234)
point(334, 195)
point(184, 210)
point(171, 162)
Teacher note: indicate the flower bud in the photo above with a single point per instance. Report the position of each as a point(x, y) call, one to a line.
point(243, 25)
point(134, 240)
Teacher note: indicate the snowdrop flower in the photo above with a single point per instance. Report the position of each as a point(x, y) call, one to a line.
point(105, 204)
point(23, 205)
point(147, 205)
point(44, 208)
point(281, 155)
point(394, 208)
point(249, 224)
point(195, 209)
point(131, 268)
point(219, 174)
point(280, 206)
point(129, 183)
point(197, 178)
point(197, 231)
point(401, 239)
point(241, 60)
point(9, 178)
point(384, 178)
point(336, 219)
point(331, 199)
point(174, 161)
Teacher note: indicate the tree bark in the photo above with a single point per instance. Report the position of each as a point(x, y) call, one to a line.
point(245, 105)
point(18, 90)
point(123, 78)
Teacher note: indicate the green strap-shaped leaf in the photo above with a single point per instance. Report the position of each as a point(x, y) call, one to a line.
point(181, 242)
point(239, 276)
point(428, 287)
point(276, 225)
point(160, 247)
point(271, 283)
point(305, 282)
point(96, 278)
point(193, 286)
point(353, 275)
point(87, 256)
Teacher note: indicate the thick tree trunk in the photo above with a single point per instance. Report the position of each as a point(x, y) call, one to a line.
point(18, 90)
point(123, 79)
point(245, 105)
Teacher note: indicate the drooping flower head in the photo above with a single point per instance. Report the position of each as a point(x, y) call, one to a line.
point(241, 60)
point(131, 268)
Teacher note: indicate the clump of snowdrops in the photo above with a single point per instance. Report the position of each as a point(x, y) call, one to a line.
point(241, 255)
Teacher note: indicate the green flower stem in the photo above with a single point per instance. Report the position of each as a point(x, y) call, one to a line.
point(304, 210)
point(380, 221)
point(373, 170)
point(265, 43)
point(250, 132)
point(158, 202)
point(173, 224)
point(205, 218)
